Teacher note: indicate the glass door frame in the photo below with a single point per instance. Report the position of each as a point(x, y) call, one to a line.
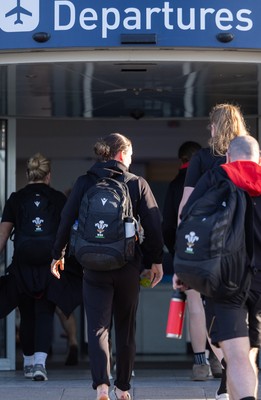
point(9, 362)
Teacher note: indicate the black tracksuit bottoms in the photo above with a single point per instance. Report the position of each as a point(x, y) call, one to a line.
point(36, 327)
point(106, 295)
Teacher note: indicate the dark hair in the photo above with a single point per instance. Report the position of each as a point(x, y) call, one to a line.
point(187, 150)
point(107, 148)
point(38, 167)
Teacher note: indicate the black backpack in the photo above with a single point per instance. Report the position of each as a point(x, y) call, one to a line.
point(36, 225)
point(212, 251)
point(100, 242)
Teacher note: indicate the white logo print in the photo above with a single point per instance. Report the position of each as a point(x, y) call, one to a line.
point(191, 239)
point(37, 203)
point(100, 228)
point(104, 201)
point(38, 224)
point(19, 15)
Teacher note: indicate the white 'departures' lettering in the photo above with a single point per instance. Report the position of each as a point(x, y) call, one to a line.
point(107, 19)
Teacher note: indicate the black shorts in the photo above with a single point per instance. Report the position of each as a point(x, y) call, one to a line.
point(229, 320)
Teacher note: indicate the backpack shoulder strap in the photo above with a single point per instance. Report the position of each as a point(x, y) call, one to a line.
point(249, 229)
point(128, 176)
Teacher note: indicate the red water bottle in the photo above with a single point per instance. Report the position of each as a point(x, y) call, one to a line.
point(176, 315)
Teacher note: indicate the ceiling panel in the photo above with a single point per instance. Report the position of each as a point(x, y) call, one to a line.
point(140, 90)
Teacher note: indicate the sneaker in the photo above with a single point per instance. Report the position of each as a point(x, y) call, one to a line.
point(113, 395)
point(102, 395)
point(222, 396)
point(28, 371)
point(215, 366)
point(200, 372)
point(39, 373)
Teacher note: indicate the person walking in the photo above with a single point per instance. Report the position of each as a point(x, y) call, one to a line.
point(225, 123)
point(114, 292)
point(234, 324)
point(196, 313)
point(174, 195)
point(32, 287)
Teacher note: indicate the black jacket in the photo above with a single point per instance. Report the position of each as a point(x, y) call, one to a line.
point(143, 202)
point(247, 176)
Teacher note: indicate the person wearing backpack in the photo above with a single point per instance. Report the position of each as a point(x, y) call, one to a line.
point(198, 334)
point(33, 215)
point(111, 281)
point(225, 123)
point(233, 321)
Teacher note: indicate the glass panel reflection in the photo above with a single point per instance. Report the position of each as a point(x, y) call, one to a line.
point(2, 202)
point(165, 89)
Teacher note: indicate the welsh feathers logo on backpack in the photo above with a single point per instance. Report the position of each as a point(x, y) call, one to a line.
point(36, 225)
point(211, 254)
point(102, 242)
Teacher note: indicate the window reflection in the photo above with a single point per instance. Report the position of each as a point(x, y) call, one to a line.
point(2, 202)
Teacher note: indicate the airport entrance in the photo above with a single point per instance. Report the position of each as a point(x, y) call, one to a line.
point(59, 107)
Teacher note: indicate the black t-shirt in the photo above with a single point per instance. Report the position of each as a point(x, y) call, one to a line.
point(201, 162)
point(31, 266)
point(12, 206)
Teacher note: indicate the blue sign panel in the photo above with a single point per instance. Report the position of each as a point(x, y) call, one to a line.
point(43, 24)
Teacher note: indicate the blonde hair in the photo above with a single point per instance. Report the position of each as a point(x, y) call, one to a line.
point(108, 147)
point(229, 123)
point(38, 167)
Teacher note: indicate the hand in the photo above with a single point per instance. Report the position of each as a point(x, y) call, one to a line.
point(156, 274)
point(146, 278)
point(57, 265)
point(177, 284)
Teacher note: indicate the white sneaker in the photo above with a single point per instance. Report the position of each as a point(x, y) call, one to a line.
point(113, 395)
point(222, 396)
point(28, 371)
point(39, 373)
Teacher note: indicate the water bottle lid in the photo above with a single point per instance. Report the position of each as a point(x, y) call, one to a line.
point(178, 294)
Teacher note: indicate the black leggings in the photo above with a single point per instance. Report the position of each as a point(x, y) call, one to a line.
point(36, 327)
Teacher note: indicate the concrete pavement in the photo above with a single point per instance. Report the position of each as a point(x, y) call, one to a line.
point(74, 383)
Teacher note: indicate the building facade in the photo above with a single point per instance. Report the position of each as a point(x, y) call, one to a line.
point(72, 70)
